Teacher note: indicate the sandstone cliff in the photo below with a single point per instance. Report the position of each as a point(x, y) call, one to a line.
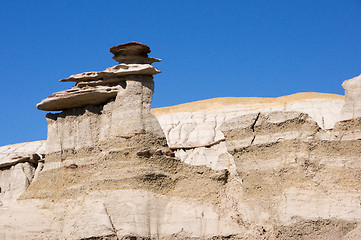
point(226, 168)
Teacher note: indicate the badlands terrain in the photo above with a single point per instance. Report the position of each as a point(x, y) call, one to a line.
point(223, 168)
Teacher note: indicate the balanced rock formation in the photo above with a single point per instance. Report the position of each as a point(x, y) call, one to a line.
point(112, 103)
point(95, 88)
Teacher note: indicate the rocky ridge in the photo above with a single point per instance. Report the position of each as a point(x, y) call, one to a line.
point(227, 168)
point(193, 129)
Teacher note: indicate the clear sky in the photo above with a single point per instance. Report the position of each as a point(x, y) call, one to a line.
point(210, 49)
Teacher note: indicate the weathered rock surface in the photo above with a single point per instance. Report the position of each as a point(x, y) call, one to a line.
point(79, 97)
point(19, 166)
point(113, 103)
point(298, 181)
point(133, 52)
point(197, 124)
point(193, 129)
point(227, 168)
point(295, 174)
point(352, 108)
point(129, 187)
point(96, 88)
point(115, 71)
point(127, 115)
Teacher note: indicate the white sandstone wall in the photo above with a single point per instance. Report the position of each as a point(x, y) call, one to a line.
point(194, 132)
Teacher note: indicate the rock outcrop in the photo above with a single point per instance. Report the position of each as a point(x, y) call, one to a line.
point(112, 103)
point(193, 129)
point(109, 174)
point(297, 179)
point(95, 88)
point(352, 108)
point(20, 165)
point(226, 168)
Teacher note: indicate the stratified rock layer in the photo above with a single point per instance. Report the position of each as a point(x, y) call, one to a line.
point(295, 174)
point(96, 88)
point(128, 114)
point(228, 168)
point(193, 129)
point(103, 105)
point(130, 187)
point(293, 179)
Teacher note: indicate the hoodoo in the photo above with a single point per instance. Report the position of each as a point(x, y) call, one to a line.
point(94, 88)
point(106, 104)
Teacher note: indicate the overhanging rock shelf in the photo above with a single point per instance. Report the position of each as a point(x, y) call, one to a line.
point(94, 88)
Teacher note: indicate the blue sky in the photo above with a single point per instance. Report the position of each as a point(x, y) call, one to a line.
point(209, 49)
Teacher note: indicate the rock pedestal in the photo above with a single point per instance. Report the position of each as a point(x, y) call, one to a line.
point(112, 103)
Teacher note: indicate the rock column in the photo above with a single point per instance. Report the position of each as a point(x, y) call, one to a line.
point(104, 105)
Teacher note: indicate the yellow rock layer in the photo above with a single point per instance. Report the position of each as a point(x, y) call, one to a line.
point(256, 102)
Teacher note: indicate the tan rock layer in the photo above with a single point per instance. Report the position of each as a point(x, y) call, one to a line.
point(293, 180)
point(98, 191)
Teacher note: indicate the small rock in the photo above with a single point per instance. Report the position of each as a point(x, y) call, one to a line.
point(145, 153)
point(72, 166)
point(158, 152)
point(170, 154)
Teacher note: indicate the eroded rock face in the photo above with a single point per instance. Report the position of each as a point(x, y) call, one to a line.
point(352, 108)
point(79, 97)
point(245, 168)
point(109, 173)
point(294, 174)
point(104, 105)
point(126, 115)
point(20, 164)
point(193, 129)
point(129, 187)
point(95, 88)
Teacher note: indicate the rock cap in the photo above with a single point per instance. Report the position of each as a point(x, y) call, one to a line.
point(131, 48)
point(132, 52)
